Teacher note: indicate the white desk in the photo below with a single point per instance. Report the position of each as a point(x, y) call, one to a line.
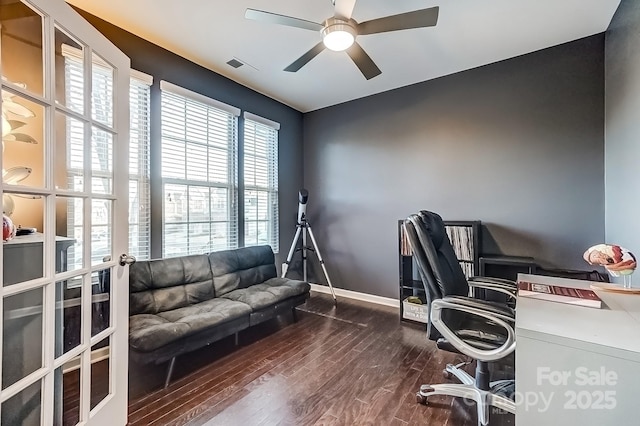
point(559, 346)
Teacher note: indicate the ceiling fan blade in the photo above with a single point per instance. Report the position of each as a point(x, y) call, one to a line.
point(404, 21)
point(344, 8)
point(302, 60)
point(366, 65)
point(274, 18)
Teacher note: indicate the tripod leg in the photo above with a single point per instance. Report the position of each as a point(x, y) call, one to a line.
point(304, 253)
point(285, 267)
point(324, 268)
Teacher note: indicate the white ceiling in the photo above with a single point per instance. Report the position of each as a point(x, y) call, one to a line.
point(470, 33)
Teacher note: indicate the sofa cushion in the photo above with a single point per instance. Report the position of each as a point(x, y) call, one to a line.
point(241, 268)
point(268, 293)
point(165, 284)
point(148, 332)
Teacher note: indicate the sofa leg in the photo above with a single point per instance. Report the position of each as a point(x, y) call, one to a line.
point(237, 339)
point(294, 312)
point(172, 363)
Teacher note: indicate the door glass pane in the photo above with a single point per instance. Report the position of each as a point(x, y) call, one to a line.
point(23, 254)
point(21, 40)
point(68, 315)
point(23, 142)
point(69, 72)
point(23, 409)
point(100, 301)
point(101, 161)
point(69, 233)
point(101, 231)
point(21, 336)
point(69, 153)
point(66, 408)
point(100, 371)
point(102, 91)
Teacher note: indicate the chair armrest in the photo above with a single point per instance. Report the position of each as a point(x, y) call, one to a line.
point(477, 308)
point(504, 281)
point(500, 310)
point(510, 288)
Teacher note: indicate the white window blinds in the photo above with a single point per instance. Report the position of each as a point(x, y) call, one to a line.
point(139, 165)
point(260, 182)
point(199, 173)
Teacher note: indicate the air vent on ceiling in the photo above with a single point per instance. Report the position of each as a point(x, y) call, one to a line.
point(235, 63)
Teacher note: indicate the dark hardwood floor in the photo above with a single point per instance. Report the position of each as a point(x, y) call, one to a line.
point(355, 364)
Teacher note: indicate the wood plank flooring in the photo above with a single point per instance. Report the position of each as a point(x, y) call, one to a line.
point(355, 364)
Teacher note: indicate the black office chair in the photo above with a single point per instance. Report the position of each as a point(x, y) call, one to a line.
point(479, 329)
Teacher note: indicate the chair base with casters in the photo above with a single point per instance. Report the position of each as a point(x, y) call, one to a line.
point(472, 389)
point(481, 341)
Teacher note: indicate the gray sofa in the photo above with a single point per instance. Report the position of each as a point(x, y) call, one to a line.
point(180, 304)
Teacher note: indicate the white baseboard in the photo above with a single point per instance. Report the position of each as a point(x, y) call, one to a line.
point(379, 300)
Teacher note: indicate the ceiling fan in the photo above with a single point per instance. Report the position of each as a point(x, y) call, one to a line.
point(339, 32)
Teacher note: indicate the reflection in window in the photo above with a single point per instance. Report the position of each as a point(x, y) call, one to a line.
point(102, 157)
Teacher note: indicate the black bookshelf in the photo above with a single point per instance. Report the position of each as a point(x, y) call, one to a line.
point(465, 238)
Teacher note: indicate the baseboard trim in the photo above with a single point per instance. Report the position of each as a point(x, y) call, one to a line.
point(371, 298)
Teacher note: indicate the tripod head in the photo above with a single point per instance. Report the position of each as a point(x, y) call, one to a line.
point(303, 197)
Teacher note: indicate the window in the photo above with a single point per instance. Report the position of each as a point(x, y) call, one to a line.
point(139, 218)
point(260, 181)
point(199, 173)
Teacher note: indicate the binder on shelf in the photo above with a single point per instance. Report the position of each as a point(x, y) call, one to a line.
point(405, 247)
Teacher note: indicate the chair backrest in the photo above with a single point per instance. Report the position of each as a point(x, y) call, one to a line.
point(438, 266)
point(446, 270)
point(411, 226)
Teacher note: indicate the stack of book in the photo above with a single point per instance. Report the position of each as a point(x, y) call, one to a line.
point(553, 293)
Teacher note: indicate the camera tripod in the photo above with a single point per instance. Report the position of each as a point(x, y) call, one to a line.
point(303, 227)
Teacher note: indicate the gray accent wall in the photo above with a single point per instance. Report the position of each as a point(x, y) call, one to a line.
point(517, 144)
point(165, 65)
point(622, 124)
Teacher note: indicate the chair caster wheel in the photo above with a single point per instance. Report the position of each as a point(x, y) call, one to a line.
point(446, 374)
point(421, 399)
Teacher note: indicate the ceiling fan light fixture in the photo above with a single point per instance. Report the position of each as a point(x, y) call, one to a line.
point(338, 35)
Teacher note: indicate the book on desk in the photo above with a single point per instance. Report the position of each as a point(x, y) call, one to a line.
point(553, 293)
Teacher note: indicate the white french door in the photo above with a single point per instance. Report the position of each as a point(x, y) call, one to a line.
point(64, 293)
